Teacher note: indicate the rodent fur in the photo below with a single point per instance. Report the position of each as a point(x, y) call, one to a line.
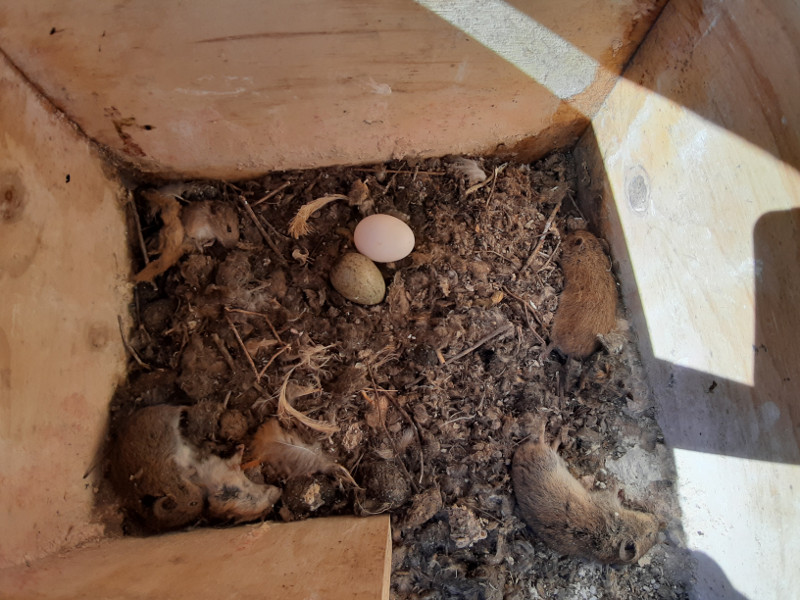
point(587, 306)
point(572, 520)
point(168, 483)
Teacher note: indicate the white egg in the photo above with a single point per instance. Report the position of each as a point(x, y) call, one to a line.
point(383, 238)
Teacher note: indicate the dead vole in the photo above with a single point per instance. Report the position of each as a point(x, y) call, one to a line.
point(588, 305)
point(165, 480)
point(206, 222)
point(572, 520)
point(187, 228)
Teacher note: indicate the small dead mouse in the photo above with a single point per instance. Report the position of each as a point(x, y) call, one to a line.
point(169, 483)
point(588, 305)
point(187, 228)
point(206, 222)
point(571, 520)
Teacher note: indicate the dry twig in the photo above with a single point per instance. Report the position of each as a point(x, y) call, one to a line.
point(139, 233)
point(497, 171)
point(272, 193)
point(224, 351)
point(542, 237)
point(498, 333)
point(256, 314)
point(271, 360)
point(130, 349)
point(550, 258)
point(413, 423)
point(390, 395)
point(527, 309)
point(244, 349)
point(487, 181)
point(262, 231)
point(403, 172)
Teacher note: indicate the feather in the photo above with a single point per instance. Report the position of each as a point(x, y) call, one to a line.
point(406, 439)
point(298, 227)
point(284, 454)
point(285, 408)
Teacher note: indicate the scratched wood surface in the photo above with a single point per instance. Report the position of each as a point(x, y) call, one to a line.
point(63, 282)
point(232, 89)
point(337, 558)
point(692, 169)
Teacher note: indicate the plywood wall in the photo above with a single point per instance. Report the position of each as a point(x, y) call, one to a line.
point(63, 270)
point(233, 89)
point(335, 558)
point(692, 168)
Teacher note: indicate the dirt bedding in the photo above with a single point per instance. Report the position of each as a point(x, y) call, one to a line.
point(424, 397)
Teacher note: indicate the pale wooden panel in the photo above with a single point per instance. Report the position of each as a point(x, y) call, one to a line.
point(63, 265)
point(344, 558)
point(692, 167)
point(235, 88)
point(706, 220)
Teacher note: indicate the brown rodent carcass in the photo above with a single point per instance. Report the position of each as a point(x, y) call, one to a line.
point(587, 306)
point(572, 520)
point(169, 483)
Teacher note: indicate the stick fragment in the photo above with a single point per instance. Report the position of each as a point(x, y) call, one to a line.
point(271, 360)
point(139, 233)
point(130, 349)
point(257, 314)
point(224, 351)
point(244, 348)
point(272, 193)
point(486, 182)
point(549, 258)
point(542, 237)
point(404, 172)
point(262, 231)
point(498, 333)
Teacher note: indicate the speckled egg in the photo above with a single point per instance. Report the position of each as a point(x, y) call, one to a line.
point(383, 238)
point(358, 279)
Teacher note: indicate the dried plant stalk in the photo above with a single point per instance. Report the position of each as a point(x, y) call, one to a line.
point(299, 226)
